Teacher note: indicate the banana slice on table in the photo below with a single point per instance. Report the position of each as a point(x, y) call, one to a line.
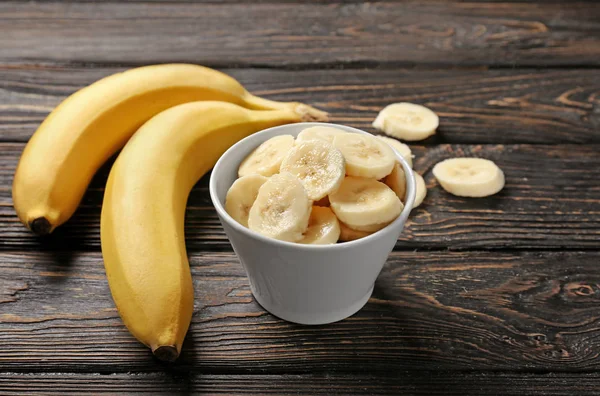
point(397, 181)
point(282, 208)
point(365, 155)
point(361, 202)
point(323, 227)
point(407, 121)
point(402, 148)
point(421, 192)
point(324, 133)
point(348, 234)
point(319, 166)
point(266, 158)
point(469, 177)
point(241, 197)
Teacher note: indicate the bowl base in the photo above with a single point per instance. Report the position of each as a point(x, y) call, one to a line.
point(316, 318)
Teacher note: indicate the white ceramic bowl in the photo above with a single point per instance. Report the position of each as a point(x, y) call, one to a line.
point(307, 284)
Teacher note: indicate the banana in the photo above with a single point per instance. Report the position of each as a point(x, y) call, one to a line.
point(241, 197)
point(407, 121)
point(469, 177)
point(92, 124)
point(282, 208)
point(324, 133)
point(361, 202)
point(365, 155)
point(319, 166)
point(142, 221)
point(397, 181)
point(266, 159)
point(323, 227)
point(348, 234)
point(401, 148)
point(421, 190)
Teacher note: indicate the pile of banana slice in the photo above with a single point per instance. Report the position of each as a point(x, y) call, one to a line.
point(325, 186)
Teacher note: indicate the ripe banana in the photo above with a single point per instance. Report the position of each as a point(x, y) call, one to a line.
point(241, 197)
point(282, 208)
point(365, 155)
point(142, 222)
point(323, 227)
point(266, 159)
point(469, 177)
point(407, 121)
point(319, 166)
point(93, 123)
point(362, 202)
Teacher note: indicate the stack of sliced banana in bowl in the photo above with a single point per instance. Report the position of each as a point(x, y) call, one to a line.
point(326, 185)
point(287, 195)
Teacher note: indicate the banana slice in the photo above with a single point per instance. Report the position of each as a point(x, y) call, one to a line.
point(469, 177)
point(323, 227)
point(407, 121)
point(267, 157)
point(421, 192)
point(361, 202)
point(319, 166)
point(323, 133)
point(371, 228)
point(365, 155)
point(402, 148)
point(397, 181)
point(241, 197)
point(348, 234)
point(281, 209)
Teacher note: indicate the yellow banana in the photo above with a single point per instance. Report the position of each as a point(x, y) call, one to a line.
point(142, 221)
point(93, 123)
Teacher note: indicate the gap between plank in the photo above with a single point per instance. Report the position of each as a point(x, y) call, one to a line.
point(350, 65)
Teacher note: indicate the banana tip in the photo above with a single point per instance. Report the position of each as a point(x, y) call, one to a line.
point(40, 226)
point(167, 353)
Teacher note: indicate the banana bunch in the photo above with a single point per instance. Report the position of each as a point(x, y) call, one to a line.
point(185, 116)
point(94, 123)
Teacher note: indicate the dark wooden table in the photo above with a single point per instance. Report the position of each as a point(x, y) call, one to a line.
point(495, 296)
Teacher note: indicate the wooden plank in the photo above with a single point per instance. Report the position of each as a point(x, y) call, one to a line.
point(442, 33)
point(475, 106)
point(551, 200)
point(402, 383)
point(429, 311)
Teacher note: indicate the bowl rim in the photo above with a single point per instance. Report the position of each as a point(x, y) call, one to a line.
point(284, 130)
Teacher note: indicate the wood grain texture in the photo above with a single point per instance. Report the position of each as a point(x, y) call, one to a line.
point(429, 311)
point(551, 200)
point(303, 34)
point(475, 106)
point(409, 383)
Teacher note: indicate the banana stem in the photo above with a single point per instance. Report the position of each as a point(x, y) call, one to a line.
point(307, 113)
